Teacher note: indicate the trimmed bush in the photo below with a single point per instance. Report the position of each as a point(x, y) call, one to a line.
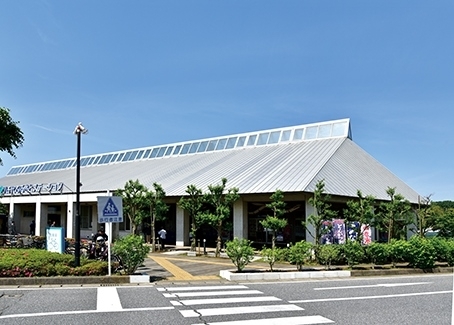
point(398, 251)
point(132, 251)
point(327, 254)
point(272, 255)
point(240, 252)
point(378, 253)
point(421, 253)
point(353, 252)
point(38, 262)
point(299, 254)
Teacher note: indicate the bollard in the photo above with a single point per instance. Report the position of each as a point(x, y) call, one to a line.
point(198, 243)
point(204, 247)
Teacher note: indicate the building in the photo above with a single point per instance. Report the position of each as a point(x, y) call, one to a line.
point(291, 159)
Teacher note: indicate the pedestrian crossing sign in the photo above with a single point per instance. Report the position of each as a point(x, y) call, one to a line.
point(110, 209)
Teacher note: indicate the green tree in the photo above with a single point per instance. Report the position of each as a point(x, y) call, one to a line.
point(221, 204)
point(193, 204)
point(11, 136)
point(275, 222)
point(443, 221)
point(134, 196)
point(424, 214)
point(158, 209)
point(395, 215)
point(322, 213)
point(360, 211)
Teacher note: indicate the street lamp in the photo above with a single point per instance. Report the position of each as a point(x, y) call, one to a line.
point(78, 131)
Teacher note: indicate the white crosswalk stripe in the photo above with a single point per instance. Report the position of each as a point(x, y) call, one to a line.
point(258, 305)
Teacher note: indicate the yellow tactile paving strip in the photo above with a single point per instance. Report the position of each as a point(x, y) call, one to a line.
point(179, 273)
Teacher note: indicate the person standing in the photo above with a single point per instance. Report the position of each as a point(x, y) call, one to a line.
point(162, 237)
point(12, 228)
point(32, 228)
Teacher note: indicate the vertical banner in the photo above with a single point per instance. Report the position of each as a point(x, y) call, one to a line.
point(327, 231)
point(338, 231)
point(352, 230)
point(367, 234)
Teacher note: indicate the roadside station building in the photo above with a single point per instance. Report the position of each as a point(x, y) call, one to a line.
point(291, 159)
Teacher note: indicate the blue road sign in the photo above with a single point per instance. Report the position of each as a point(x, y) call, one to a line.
point(110, 209)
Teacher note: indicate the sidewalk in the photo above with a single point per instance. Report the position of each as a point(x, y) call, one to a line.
point(174, 265)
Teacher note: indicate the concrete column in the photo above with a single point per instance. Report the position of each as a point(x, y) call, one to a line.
point(183, 228)
point(310, 229)
point(240, 229)
point(38, 218)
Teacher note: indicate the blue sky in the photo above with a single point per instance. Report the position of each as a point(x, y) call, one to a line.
point(141, 73)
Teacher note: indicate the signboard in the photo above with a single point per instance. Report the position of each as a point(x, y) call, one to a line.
point(32, 189)
point(110, 209)
point(55, 239)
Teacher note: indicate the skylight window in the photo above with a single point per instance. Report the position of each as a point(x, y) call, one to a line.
point(263, 139)
point(311, 133)
point(231, 143)
point(251, 140)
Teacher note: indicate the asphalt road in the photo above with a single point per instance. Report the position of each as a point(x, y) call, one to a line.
point(386, 300)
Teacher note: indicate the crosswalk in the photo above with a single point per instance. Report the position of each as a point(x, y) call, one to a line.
point(232, 301)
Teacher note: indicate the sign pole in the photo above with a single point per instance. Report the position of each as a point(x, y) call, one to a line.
point(109, 234)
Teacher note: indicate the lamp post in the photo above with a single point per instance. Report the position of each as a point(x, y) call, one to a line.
point(78, 131)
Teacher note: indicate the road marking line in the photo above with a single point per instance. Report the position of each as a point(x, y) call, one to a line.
point(191, 302)
point(238, 310)
point(108, 299)
point(370, 297)
point(225, 287)
point(375, 286)
point(299, 320)
point(79, 312)
point(212, 293)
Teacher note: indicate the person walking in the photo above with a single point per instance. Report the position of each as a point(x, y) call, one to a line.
point(32, 228)
point(162, 237)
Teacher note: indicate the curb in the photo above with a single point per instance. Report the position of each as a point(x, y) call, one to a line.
point(75, 280)
point(292, 275)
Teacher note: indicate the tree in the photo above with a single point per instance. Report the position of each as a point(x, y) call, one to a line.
point(424, 214)
point(134, 202)
point(11, 135)
point(360, 212)
point(193, 204)
point(158, 209)
point(275, 222)
point(221, 204)
point(323, 213)
point(395, 215)
point(443, 221)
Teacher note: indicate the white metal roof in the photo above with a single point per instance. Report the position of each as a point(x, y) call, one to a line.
point(290, 166)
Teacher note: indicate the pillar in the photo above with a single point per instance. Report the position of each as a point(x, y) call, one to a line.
point(240, 229)
point(183, 228)
point(310, 228)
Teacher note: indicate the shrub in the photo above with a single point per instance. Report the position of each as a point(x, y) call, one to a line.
point(441, 246)
point(38, 262)
point(421, 253)
point(327, 254)
point(272, 255)
point(398, 251)
point(132, 252)
point(378, 253)
point(240, 252)
point(353, 252)
point(299, 253)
